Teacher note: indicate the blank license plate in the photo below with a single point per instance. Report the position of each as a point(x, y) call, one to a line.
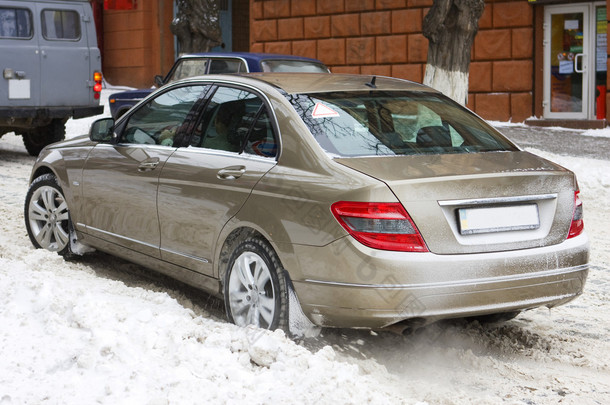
point(498, 219)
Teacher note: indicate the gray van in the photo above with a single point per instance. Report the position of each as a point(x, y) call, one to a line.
point(50, 66)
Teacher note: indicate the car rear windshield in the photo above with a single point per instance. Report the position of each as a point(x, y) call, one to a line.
point(351, 124)
point(277, 65)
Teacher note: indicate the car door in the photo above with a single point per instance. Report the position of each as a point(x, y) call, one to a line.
point(19, 55)
point(205, 184)
point(64, 38)
point(120, 180)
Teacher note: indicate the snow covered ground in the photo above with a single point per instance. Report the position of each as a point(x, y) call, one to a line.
point(101, 330)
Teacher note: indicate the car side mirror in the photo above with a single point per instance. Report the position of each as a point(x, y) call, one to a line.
point(159, 80)
point(102, 130)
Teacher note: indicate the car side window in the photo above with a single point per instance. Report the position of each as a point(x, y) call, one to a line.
point(160, 120)
point(60, 25)
point(235, 120)
point(15, 23)
point(261, 141)
point(226, 66)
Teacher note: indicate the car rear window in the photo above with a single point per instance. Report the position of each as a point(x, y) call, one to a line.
point(293, 66)
point(15, 23)
point(218, 66)
point(352, 124)
point(189, 68)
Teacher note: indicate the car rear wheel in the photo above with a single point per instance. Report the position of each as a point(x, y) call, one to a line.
point(255, 288)
point(47, 218)
point(37, 138)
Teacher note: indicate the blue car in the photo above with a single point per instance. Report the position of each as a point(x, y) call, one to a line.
point(198, 64)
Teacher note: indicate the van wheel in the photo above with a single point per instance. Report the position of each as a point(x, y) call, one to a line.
point(255, 290)
point(40, 137)
point(47, 218)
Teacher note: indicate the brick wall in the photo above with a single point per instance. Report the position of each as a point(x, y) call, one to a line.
point(502, 67)
point(138, 44)
point(384, 37)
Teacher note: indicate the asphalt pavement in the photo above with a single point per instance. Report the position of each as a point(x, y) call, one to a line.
point(561, 141)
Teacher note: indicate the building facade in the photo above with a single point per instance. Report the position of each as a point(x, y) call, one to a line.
point(540, 58)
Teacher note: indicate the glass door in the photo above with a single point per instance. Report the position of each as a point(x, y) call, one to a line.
point(601, 60)
point(575, 68)
point(566, 61)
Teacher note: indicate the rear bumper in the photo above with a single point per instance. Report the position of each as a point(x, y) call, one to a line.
point(370, 288)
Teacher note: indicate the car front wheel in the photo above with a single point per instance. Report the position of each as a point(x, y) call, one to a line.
point(47, 217)
point(255, 290)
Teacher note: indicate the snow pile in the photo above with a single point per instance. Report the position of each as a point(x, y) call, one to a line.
point(86, 332)
point(73, 337)
point(599, 132)
point(602, 133)
point(593, 175)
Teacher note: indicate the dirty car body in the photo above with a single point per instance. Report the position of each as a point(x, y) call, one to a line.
point(366, 202)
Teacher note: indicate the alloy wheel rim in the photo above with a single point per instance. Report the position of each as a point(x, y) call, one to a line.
point(251, 292)
point(49, 218)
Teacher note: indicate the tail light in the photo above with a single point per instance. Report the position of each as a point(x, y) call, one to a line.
point(577, 225)
point(385, 226)
point(97, 87)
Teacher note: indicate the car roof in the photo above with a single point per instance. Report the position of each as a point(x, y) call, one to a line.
point(295, 83)
point(248, 55)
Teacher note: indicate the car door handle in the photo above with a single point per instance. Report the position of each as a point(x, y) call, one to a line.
point(148, 164)
point(231, 173)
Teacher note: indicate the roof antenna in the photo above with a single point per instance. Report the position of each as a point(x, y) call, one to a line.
point(371, 84)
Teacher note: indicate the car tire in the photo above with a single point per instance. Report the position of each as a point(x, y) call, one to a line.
point(47, 217)
point(35, 140)
point(120, 113)
point(255, 288)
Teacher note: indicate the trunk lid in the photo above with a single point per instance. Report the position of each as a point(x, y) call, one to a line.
point(479, 202)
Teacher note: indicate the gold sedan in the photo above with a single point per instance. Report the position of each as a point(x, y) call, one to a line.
point(351, 200)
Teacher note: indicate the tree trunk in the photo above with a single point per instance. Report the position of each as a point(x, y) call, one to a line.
point(197, 25)
point(450, 27)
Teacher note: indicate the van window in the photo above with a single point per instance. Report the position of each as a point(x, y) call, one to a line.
point(15, 23)
point(60, 24)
